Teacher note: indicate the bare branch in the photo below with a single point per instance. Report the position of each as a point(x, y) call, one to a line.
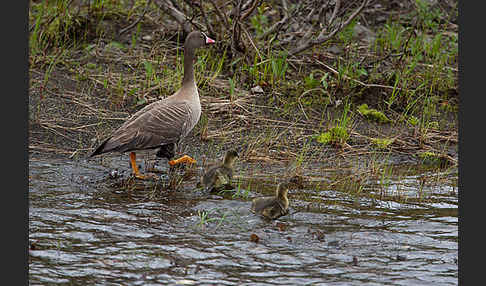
point(177, 15)
point(220, 14)
point(208, 24)
point(322, 13)
point(274, 27)
point(245, 5)
point(285, 5)
point(236, 29)
point(334, 12)
point(301, 25)
point(323, 36)
point(252, 43)
point(278, 24)
point(248, 13)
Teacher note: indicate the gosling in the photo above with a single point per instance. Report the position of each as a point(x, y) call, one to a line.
point(275, 206)
point(219, 177)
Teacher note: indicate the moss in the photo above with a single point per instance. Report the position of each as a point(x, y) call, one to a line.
point(432, 158)
point(116, 45)
point(91, 65)
point(336, 135)
point(382, 143)
point(373, 114)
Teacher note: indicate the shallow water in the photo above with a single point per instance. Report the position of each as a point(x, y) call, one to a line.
point(82, 230)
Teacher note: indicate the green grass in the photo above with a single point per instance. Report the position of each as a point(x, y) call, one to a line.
point(240, 193)
point(209, 66)
point(424, 65)
point(204, 217)
point(338, 134)
point(259, 21)
point(59, 25)
point(212, 215)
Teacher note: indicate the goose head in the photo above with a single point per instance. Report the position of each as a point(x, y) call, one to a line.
point(197, 39)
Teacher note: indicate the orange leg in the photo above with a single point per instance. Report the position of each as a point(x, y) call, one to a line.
point(133, 162)
point(183, 159)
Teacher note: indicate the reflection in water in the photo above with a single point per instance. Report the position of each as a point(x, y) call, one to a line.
point(81, 230)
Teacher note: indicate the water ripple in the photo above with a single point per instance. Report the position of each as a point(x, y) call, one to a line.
point(80, 232)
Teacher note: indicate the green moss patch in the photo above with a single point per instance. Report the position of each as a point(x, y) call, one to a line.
point(382, 143)
point(372, 114)
point(336, 135)
point(432, 158)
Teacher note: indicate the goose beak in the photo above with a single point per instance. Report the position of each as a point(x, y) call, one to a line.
point(209, 40)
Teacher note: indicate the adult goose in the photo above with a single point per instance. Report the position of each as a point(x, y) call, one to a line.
point(164, 123)
point(274, 206)
point(219, 177)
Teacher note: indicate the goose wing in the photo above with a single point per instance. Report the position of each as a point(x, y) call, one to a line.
point(156, 124)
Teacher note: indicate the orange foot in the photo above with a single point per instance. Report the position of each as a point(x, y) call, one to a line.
point(136, 172)
point(183, 159)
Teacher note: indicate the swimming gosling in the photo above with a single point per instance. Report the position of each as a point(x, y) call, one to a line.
point(219, 177)
point(275, 206)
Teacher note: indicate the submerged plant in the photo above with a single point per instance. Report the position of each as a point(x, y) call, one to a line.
point(239, 193)
point(204, 217)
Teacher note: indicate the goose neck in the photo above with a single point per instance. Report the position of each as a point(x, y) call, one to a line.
point(188, 67)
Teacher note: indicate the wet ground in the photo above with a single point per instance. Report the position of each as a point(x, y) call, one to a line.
point(85, 229)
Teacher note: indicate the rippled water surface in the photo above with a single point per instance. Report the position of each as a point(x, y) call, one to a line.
point(83, 231)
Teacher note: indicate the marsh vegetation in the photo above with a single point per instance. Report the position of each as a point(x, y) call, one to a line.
point(355, 100)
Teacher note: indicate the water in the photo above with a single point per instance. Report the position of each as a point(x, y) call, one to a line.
point(83, 230)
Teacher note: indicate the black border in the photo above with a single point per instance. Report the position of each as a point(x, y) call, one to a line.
point(15, 187)
point(15, 86)
point(471, 121)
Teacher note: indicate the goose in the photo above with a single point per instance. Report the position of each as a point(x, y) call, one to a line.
point(219, 176)
point(164, 123)
point(274, 206)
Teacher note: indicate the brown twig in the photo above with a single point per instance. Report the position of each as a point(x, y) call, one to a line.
point(251, 41)
point(323, 36)
point(236, 29)
point(177, 15)
point(249, 11)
